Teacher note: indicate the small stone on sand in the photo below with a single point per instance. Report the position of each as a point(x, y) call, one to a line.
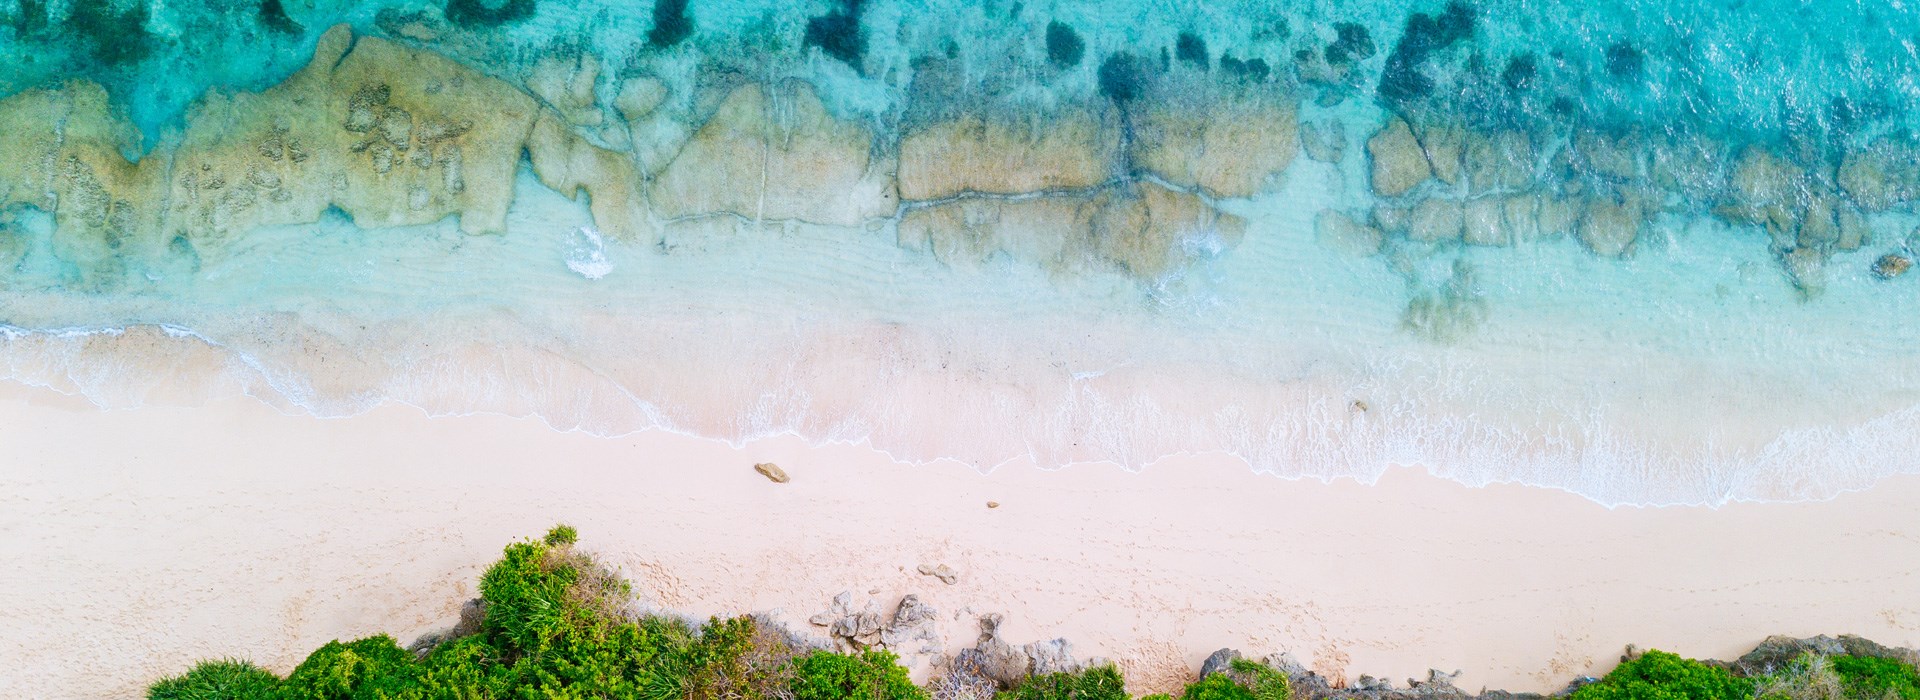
point(993, 504)
point(945, 573)
point(773, 472)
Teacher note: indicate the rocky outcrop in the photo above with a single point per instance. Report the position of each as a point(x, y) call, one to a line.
point(1399, 164)
point(1226, 147)
point(1074, 149)
point(773, 153)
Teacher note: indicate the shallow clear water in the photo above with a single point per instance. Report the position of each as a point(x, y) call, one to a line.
point(1687, 291)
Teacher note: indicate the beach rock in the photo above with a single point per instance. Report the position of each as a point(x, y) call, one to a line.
point(1006, 665)
point(569, 164)
point(566, 84)
point(1340, 232)
point(1854, 230)
point(1445, 147)
point(1806, 268)
point(1051, 656)
point(62, 151)
point(773, 153)
point(1891, 265)
point(1230, 147)
point(1611, 225)
point(1610, 155)
point(1325, 142)
point(945, 573)
point(1761, 180)
point(993, 504)
point(1370, 683)
point(773, 472)
point(1521, 214)
point(390, 135)
point(1148, 230)
point(1882, 174)
point(1436, 220)
point(1502, 161)
point(1075, 149)
point(639, 97)
point(1218, 662)
point(1399, 164)
point(1045, 230)
point(913, 628)
point(1483, 222)
point(1558, 215)
point(1819, 224)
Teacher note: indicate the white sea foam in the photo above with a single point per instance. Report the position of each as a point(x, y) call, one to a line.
point(587, 253)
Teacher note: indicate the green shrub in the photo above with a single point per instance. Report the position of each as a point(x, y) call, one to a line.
point(562, 535)
point(1876, 678)
point(373, 668)
point(467, 668)
point(1100, 683)
point(1658, 675)
point(871, 675)
point(1243, 680)
point(218, 680)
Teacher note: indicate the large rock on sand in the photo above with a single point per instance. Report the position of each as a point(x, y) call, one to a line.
point(774, 153)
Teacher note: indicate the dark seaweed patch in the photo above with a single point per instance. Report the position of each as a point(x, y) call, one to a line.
point(113, 37)
point(1064, 47)
point(1255, 69)
point(838, 33)
point(1625, 61)
point(274, 17)
point(1403, 80)
point(484, 14)
point(1520, 72)
point(671, 24)
point(1190, 48)
point(1122, 78)
point(1353, 44)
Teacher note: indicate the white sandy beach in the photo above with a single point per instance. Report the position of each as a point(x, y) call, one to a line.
point(231, 530)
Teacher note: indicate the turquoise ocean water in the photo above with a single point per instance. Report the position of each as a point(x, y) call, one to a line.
point(1693, 287)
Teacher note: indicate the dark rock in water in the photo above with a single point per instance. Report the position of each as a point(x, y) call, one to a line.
point(114, 36)
point(1353, 44)
point(1891, 265)
point(1255, 69)
point(671, 23)
point(839, 34)
point(274, 17)
point(1625, 61)
point(1519, 75)
point(1190, 48)
point(1122, 78)
point(1218, 662)
point(482, 14)
point(1065, 48)
point(1403, 80)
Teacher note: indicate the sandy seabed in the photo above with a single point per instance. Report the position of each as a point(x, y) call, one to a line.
point(140, 541)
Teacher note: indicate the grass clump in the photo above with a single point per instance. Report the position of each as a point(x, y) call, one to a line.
point(1658, 675)
point(1816, 677)
point(1098, 683)
point(218, 680)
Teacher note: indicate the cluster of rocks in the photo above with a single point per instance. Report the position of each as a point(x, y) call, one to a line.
point(1441, 182)
point(911, 629)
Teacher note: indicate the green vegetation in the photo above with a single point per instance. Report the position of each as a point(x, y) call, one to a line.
point(1245, 680)
point(1658, 675)
point(1097, 683)
point(555, 624)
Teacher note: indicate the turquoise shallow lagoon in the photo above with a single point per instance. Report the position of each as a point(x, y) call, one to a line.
point(1650, 253)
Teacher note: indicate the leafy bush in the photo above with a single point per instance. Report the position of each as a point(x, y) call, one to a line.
point(871, 675)
point(1243, 680)
point(218, 680)
point(1099, 683)
point(562, 535)
point(1658, 675)
point(374, 667)
point(1869, 677)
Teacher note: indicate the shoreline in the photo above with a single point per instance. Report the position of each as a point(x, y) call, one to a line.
point(280, 538)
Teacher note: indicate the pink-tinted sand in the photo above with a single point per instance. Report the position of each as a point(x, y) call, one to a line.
point(140, 541)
